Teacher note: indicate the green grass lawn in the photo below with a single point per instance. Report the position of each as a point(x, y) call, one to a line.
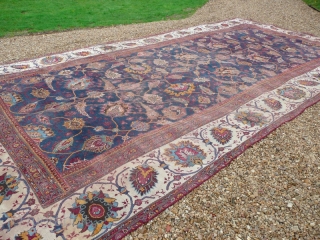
point(313, 3)
point(30, 16)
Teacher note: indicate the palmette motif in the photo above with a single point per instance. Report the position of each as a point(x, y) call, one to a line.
point(222, 135)
point(143, 178)
point(83, 117)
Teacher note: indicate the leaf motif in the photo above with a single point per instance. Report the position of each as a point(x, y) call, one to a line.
point(112, 75)
point(64, 144)
point(108, 85)
point(28, 108)
point(152, 98)
point(49, 81)
point(183, 65)
point(273, 53)
point(153, 84)
point(179, 69)
point(206, 90)
point(175, 76)
point(81, 108)
point(181, 100)
point(150, 112)
point(97, 229)
point(95, 94)
point(129, 86)
point(57, 107)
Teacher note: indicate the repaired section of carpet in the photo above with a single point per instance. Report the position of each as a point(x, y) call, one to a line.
point(109, 136)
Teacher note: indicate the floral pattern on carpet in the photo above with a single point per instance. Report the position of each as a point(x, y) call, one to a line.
point(76, 113)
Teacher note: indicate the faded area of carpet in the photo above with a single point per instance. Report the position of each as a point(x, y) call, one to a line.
point(109, 136)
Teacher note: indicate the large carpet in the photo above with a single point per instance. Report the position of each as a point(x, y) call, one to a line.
point(107, 137)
